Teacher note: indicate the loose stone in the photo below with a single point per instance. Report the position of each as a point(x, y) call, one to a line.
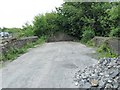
point(94, 83)
point(105, 75)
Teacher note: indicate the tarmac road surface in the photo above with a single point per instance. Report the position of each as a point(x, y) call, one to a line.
point(51, 65)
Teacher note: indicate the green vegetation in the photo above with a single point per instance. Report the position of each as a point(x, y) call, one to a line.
point(79, 19)
point(90, 43)
point(15, 52)
point(104, 51)
point(45, 25)
point(87, 35)
point(25, 31)
point(115, 32)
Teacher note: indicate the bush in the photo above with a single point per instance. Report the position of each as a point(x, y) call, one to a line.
point(104, 51)
point(115, 32)
point(27, 30)
point(103, 48)
point(90, 43)
point(45, 25)
point(87, 35)
point(41, 40)
point(39, 25)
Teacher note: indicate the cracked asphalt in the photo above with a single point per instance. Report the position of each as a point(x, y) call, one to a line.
point(51, 65)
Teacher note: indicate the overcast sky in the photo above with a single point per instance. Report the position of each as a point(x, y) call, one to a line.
point(15, 13)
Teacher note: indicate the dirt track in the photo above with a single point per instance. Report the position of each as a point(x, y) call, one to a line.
point(51, 65)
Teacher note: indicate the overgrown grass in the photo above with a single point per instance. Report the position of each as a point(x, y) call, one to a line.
point(90, 43)
point(13, 53)
point(104, 51)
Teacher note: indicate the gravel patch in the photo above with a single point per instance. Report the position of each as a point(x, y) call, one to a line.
point(105, 74)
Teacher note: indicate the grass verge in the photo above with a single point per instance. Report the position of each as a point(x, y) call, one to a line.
point(13, 53)
point(104, 51)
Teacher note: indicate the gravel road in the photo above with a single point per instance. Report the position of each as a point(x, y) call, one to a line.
point(51, 65)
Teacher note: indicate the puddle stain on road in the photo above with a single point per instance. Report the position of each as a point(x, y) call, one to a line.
point(70, 66)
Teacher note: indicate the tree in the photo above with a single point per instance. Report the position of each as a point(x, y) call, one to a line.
point(39, 25)
point(27, 30)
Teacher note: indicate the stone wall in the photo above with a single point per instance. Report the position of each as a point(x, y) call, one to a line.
point(113, 43)
point(17, 43)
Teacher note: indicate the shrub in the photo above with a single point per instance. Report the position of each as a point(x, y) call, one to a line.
point(104, 51)
point(39, 25)
point(90, 43)
point(27, 30)
point(41, 40)
point(103, 48)
point(87, 35)
point(115, 32)
point(45, 25)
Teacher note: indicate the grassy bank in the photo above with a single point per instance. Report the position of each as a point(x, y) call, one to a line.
point(102, 50)
point(13, 53)
point(105, 51)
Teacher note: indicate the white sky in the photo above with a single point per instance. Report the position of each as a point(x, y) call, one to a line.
point(15, 13)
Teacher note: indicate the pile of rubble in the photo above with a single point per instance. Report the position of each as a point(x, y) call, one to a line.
point(105, 74)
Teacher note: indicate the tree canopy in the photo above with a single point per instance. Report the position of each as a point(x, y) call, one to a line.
point(80, 18)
